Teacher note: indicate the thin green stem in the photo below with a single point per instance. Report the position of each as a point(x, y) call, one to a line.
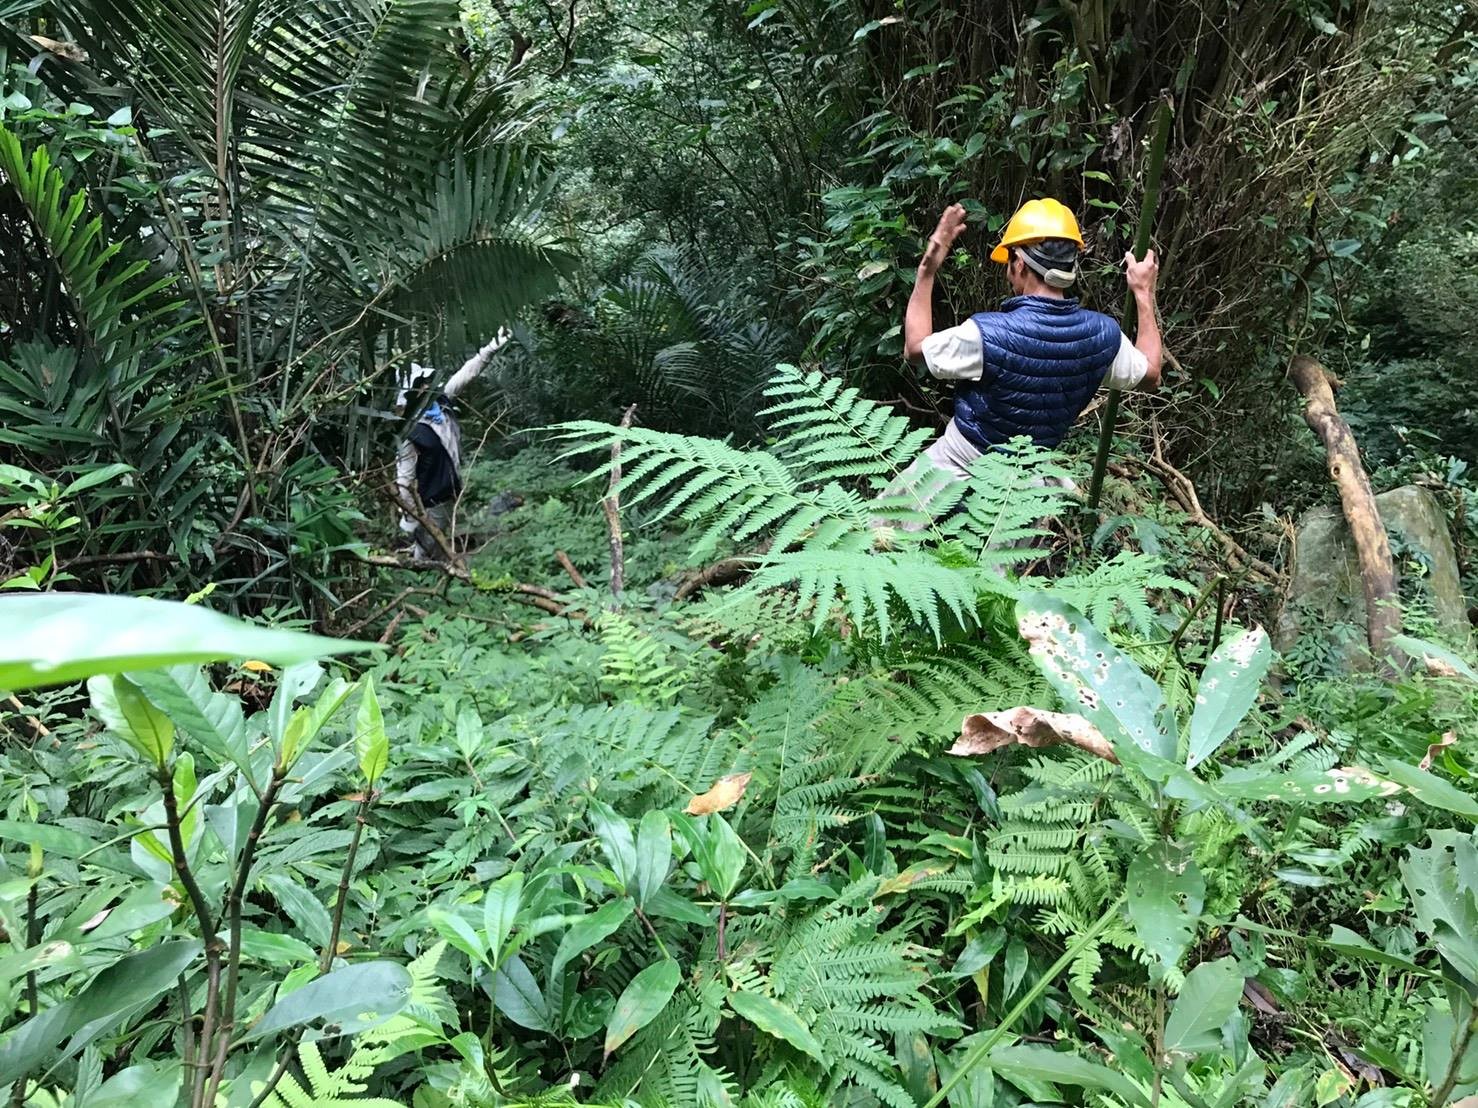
point(1454, 1068)
point(361, 818)
point(979, 1053)
point(234, 902)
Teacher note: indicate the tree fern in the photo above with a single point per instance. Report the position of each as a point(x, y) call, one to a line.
point(831, 541)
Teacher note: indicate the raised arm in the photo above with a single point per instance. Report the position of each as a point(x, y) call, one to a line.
point(918, 321)
point(1142, 277)
point(473, 366)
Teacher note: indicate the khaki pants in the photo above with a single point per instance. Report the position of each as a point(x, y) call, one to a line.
point(951, 453)
point(427, 548)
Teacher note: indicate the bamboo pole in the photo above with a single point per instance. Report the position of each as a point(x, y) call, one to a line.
point(1141, 244)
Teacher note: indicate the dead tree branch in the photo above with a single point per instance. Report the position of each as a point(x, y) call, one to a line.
point(1372, 548)
point(611, 505)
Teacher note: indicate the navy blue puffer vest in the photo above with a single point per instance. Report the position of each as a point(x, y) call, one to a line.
point(1044, 360)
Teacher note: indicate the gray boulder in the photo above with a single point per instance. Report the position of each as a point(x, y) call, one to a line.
point(1326, 591)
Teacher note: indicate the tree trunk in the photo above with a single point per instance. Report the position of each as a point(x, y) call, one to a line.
point(1377, 570)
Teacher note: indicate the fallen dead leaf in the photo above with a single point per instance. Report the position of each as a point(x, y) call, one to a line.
point(68, 50)
point(1259, 997)
point(726, 792)
point(1437, 667)
point(907, 879)
point(987, 732)
point(1448, 739)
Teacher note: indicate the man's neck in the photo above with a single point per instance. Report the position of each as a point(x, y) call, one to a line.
point(1037, 287)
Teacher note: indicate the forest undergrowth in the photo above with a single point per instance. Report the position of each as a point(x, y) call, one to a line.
point(985, 814)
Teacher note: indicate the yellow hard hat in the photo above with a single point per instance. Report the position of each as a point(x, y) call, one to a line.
point(1034, 221)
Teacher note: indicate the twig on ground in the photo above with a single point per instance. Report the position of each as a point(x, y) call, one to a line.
point(611, 505)
point(569, 567)
point(1183, 491)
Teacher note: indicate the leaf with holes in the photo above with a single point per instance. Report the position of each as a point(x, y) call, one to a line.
point(1166, 893)
point(1095, 678)
point(1228, 689)
point(1443, 883)
point(1341, 785)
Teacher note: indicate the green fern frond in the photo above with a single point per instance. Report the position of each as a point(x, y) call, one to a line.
point(329, 1088)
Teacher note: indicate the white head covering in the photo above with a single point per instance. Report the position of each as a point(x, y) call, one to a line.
point(407, 380)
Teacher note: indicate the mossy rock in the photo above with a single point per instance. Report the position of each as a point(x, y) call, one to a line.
point(1326, 589)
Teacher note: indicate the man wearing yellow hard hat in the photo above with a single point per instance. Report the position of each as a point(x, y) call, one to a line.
point(1031, 367)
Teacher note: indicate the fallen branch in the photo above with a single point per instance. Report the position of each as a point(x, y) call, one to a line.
point(1372, 547)
point(611, 505)
point(723, 572)
point(421, 565)
point(1183, 491)
point(119, 559)
point(36, 725)
point(569, 567)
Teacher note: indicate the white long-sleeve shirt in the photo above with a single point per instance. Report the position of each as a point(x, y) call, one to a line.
point(406, 456)
point(955, 354)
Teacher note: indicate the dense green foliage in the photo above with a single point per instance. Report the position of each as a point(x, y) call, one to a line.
point(833, 801)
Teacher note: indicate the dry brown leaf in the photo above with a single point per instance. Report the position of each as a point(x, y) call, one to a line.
point(987, 732)
point(68, 50)
point(908, 878)
point(1437, 667)
point(1437, 747)
point(726, 792)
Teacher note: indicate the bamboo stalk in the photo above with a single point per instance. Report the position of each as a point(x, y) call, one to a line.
point(1141, 245)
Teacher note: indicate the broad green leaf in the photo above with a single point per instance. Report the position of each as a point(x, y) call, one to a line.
point(275, 949)
point(129, 715)
point(1341, 785)
point(185, 784)
point(153, 1083)
point(1166, 893)
point(1440, 1034)
point(717, 850)
point(452, 927)
point(302, 907)
point(1094, 678)
point(586, 931)
point(669, 905)
point(371, 745)
point(96, 477)
point(64, 843)
point(1062, 1067)
point(499, 911)
point(1347, 942)
point(1442, 881)
point(1431, 789)
point(616, 840)
point(774, 1018)
point(653, 856)
point(351, 999)
point(1207, 1000)
point(641, 1002)
point(107, 1000)
point(306, 723)
point(293, 683)
point(1227, 691)
point(516, 995)
point(62, 637)
point(210, 718)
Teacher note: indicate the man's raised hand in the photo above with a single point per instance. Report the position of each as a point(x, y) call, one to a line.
point(951, 226)
point(1142, 274)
